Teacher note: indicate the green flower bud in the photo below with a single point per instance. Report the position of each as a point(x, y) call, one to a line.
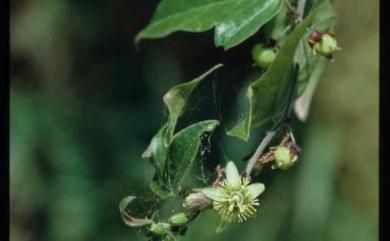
point(197, 201)
point(179, 219)
point(159, 228)
point(326, 46)
point(263, 56)
point(283, 158)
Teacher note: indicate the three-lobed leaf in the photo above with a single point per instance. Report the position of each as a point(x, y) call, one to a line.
point(234, 20)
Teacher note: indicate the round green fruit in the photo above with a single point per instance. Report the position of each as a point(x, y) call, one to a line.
point(179, 219)
point(283, 158)
point(263, 56)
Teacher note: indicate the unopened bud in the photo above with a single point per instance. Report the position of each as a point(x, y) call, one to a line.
point(179, 219)
point(197, 201)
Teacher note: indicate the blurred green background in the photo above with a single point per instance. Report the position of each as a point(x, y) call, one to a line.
point(85, 103)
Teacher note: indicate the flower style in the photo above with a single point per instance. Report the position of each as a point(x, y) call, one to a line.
point(234, 198)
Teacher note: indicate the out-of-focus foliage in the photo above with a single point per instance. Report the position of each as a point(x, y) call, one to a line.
point(84, 105)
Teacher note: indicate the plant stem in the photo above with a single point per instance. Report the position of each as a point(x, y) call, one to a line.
point(289, 6)
point(258, 152)
point(301, 8)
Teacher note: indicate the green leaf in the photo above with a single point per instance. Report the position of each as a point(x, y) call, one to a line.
point(176, 98)
point(172, 155)
point(159, 188)
point(125, 202)
point(158, 150)
point(266, 94)
point(302, 104)
point(182, 152)
point(184, 149)
point(129, 219)
point(234, 20)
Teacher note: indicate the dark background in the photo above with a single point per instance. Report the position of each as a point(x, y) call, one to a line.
point(85, 103)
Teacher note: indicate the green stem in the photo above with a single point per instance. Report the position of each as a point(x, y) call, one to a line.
point(260, 149)
point(289, 6)
point(301, 8)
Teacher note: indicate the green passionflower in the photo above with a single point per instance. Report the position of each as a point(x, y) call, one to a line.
point(234, 198)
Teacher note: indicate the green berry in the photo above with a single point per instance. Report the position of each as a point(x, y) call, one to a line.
point(179, 219)
point(263, 56)
point(283, 158)
point(256, 50)
point(326, 46)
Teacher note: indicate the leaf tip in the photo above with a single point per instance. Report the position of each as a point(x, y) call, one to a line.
point(124, 202)
point(137, 40)
point(301, 109)
point(217, 66)
point(239, 131)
